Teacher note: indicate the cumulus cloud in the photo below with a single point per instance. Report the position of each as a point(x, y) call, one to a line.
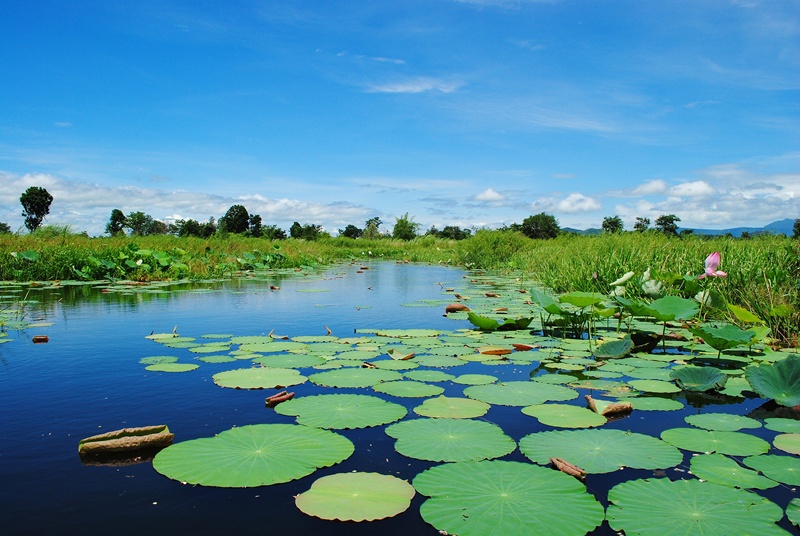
point(575, 203)
point(655, 187)
point(490, 196)
point(692, 189)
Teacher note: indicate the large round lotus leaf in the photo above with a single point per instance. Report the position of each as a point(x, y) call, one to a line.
point(439, 361)
point(274, 347)
point(793, 512)
point(452, 408)
point(157, 359)
point(698, 379)
point(289, 361)
point(391, 364)
point(780, 381)
point(356, 497)
point(730, 443)
point(686, 507)
point(784, 469)
point(787, 426)
point(671, 308)
point(788, 443)
point(429, 376)
point(407, 333)
point(654, 386)
point(172, 367)
point(354, 377)
point(723, 422)
point(217, 359)
point(341, 411)
point(408, 389)
point(505, 498)
point(254, 455)
point(642, 373)
point(565, 416)
point(475, 379)
point(520, 393)
point(654, 403)
point(450, 440)
point(723, 470)
point(258, 378)
point(600, 451)
point(210, 348)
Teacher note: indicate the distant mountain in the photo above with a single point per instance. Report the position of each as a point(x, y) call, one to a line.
point(589, 231)
point(777, 227)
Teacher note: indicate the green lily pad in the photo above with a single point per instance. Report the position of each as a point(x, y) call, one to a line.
point(450, 440)
point(258, 378)
point(158, 359)
point(341, 411)
point(723, 337)
point(723, 470)
point(779, 381)
point(654, 403)
point(452, 408)
point(354, 377)
point(356, 497)
point(520, 393)
point(614, 348)
point(784, 469)
point(475, 379)
point(217, 359)
point(658, 507)
point(698, 379)
point(723, 422)
point(793, 512)
point(788, 443)
point(439, 361)
point(289, 361)
point(654, 386)
point(407, 333)
point(600, 450)
point(390, 364)
point(671, 308)
point(172, 367)
point(730, 443)
point(505, 498)
point(787, 426)
point(564, 416)
point(254, 455)
point(428, 376)
point(408, 389)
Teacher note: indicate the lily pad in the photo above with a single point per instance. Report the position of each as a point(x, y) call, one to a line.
point(654, 403)
point(793, 512)
point(658, 507)
point(614, 348)
point(654, 386)
point(779, 381)
point(450, 440)
point(354, 377)
point(289, 361)
point(730, 443)
point(787, 426)
point(452, 408)
point(723, 422)
point(788, 443)
point(254, 455)
point(698, 379)
point(784, 469)
point(428, 376)
point(172, 367)
point(565, 416)
point(723, 470)
point(258, 378)
point(505, 498)
point(601, 450)
point(520, 393)
point(408, 389)
point(356, 497)
point(342, 411)
point(158, 359)
point(475, 379)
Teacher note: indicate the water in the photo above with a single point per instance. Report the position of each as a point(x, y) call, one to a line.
point(87, 380)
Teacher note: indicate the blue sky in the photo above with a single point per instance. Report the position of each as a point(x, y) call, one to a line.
point(469, 113)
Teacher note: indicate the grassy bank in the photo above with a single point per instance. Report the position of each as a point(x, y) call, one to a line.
point(763, 272)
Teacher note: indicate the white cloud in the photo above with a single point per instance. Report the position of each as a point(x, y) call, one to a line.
point(575, 203)
point(489, 195)
point(416, 85)
point(692, 189)
point(655, 187)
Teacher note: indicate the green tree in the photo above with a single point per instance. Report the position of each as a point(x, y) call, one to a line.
point(256, 227)
point(796, 228)
point(116, 223)
point(667, 224)
point(405, 228)
point(236, 220)
point(139, 223)
point(351, 231)
point(308, 231)
point(540, 226)
point(35, 206)
point(372, 228)
point(641, 224)
point(4, 228)
point(189, 227)
point(613, 224)
point(273, 232)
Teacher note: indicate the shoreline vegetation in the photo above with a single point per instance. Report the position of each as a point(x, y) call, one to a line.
point(763, 271)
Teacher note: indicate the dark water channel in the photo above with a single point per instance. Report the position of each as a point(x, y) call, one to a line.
point(87, 380)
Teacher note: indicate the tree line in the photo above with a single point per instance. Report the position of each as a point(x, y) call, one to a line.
point(36, 203)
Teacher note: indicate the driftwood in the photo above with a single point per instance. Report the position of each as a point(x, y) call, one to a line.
point(40, 338)
point(274, 400)
point(611, 410)
point(565, 467)
point(127, 440)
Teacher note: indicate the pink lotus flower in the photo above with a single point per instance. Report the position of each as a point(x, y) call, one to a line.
point(712, 263)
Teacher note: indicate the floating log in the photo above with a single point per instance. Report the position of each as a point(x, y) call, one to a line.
point(565, 467)
point(274, 400)
point(37, 339)
point(127, 440)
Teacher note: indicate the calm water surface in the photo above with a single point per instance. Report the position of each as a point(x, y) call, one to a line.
point(88, 380)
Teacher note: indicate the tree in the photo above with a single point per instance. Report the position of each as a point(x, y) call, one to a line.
point(796, 228)
point(139, 223)
point(35, 206)
point(405, 228)
point(256, 229)
point(613, 224)
point(452, 232)
point(372, 228)
point(540, 226)
point(236, 220)
point(273, 232)
point(189, 228)
point(296, 230)
point(4, 228)
point(668, 224)
point(351, 231)
point(308, 231)
point(116, 223)
point(641, 225)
